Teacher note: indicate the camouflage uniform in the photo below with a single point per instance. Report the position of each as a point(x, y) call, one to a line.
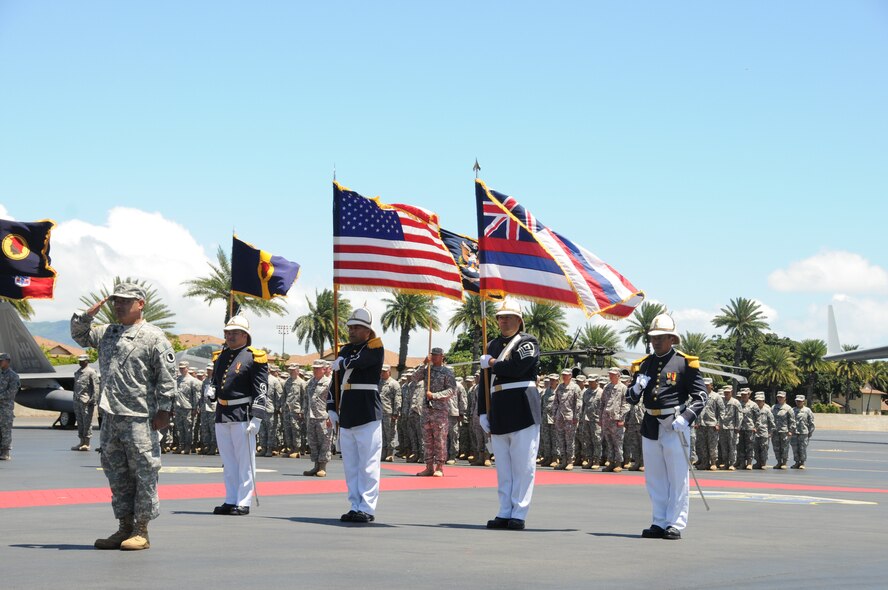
point(208, 417)
point(269, 431)
point(548, 448)
point(457, 409)
point(319, 436)
point(390, 394)
point(632, 437)
point(405, 443)
point(566, 408)
point(709, 427)
point(613, 409)
point(764, 428)
point(435, 419)
point(414, 419)
point(804, 428)
point(746, 447)
point(294, 391)
point(477, 442)
point(187, 397)
point(784, 426)
point(137, 365)
point(86, 396)
point(9, 386)
point(591, 425)
point(729, 433)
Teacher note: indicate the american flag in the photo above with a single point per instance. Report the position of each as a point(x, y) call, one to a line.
point(522, 257)
point(392, 247)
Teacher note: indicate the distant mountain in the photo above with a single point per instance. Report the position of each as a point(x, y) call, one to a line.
point(59, 331)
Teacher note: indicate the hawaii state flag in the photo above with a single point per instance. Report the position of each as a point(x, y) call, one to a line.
point(523, 258)
point(256, 272)
point(390, 247)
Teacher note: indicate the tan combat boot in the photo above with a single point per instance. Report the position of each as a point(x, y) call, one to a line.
point(294, 455)
point(124, 530)
point(313, 471)
point(139, 539)
point(77, 446)
point(428, 471)
point(487, 462)
point(569, 467)
point(85, 445)
point(439, 471)
point(322, 469)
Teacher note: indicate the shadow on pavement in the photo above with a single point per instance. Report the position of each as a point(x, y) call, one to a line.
point(333, 522)
point(56, 546)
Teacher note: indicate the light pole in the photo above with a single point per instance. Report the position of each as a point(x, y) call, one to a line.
point(283, 330)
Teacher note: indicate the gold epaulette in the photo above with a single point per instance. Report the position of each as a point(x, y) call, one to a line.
point(636, 365)
point(693, 361)
point(216, 354)
point(259, 355)
point(375, 343)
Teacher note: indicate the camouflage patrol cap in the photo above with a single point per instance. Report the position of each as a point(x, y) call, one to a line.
point(210, 367)
point(82, 358)
point(318, 364)
point(745, 391)
point(552, 376)
point(614, 371)
point(800, 398)
point(437, 350)
point(200, 372)
point(759, 396)
point(727, 389)
point(128, 291)
point(183, 364)
point(602, 380)
point(386, 367)
point(292, 366)
point(781, 394)
point(566, 372)
point(4, 356)
point(707, 380)
point(581, 378)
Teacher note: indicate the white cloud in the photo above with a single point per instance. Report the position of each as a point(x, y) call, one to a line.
point(4, 214)
point(831, 271)
point(860, 321)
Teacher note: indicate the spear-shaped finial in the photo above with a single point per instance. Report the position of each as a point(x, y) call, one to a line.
point(476, 167)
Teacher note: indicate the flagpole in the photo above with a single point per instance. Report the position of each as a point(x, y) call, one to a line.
point(336, 394)
point(486, 372)
point(429, 356)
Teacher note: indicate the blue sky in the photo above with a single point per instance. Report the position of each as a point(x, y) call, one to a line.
point(706, 150)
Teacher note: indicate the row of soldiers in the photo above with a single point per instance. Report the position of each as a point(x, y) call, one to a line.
point(586, 422)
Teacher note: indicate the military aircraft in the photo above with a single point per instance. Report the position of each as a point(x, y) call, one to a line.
point(48, 387)
point(834, 348)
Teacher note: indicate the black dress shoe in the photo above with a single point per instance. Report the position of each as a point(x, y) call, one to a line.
point(498, 523)
point(516, 524)
point(223, 509)
point(239, 511)
point(348, 516)
point(672, 534)
point(362, 517)
point(655, 532)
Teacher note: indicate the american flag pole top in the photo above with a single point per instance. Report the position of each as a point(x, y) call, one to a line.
point(476, 168)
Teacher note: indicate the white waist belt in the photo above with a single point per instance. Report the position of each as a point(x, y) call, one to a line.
point(363, 386)
point(235, 402)
point(517, 385)
point(663, 411)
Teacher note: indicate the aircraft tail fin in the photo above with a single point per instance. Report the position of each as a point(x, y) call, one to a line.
point(15, 339)
point(832, 336)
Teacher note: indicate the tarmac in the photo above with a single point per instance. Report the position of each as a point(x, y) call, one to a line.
point(819, 528)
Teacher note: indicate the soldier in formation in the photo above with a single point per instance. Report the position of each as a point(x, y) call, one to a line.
point(208, 414)
point(86, 396)
point(613, 411)
point(292, 413)
point(457, 407)
point(185, 404)
point(804, 428)
point(729, 430)
point(9, 386)
point(317, 423)
point(435, 421)
point(784, 427)
point(764, 429)
point(707, 436)
point(390, 394)
point(548, 446)
point(566, 408)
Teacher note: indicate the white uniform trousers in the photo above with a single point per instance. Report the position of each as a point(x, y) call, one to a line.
point(666, 477)
point(237, 450)
point(516, 455)
point(361, 448)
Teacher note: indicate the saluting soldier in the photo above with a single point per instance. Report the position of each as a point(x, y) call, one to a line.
point(137, 364)
point(673, 392)
point(390, 393)
point(513, 418)
point(613, 413)
point(804, 428)
point(240, 378)
point(354, 403)
point(441, 387)
point(86, 396)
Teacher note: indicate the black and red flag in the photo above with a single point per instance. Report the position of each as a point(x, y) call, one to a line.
point(25, 270)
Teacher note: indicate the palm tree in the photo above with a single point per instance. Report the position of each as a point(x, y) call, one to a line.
point(852, 375)
point(742, 318)
point(155, 311)
point(317, 326)
point(775, 366)
point(546, 322)
point(599, 336)
point(217, 287)
point(406, 312)
point(697, 344)
point(809, 360)
point(468, 317)
point(640, 324)
point(22, 306)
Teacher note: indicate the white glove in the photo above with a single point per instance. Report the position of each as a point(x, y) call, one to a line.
point(485, 361)
point(337, 363)
point(640, 383)
point(253, 426)
point(680, 424)
point(334, 417)
point(485, 423)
